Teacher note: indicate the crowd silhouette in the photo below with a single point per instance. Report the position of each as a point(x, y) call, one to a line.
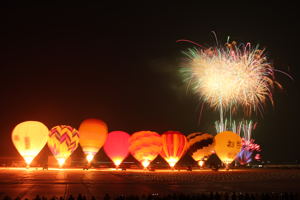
point(202, 196)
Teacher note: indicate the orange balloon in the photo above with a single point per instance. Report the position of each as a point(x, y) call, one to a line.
point(145, 146)
point(93, 134)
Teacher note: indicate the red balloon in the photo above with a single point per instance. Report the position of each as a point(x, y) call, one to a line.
point(116, 146)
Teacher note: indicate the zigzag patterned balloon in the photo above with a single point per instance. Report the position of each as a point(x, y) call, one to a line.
point(63, 141)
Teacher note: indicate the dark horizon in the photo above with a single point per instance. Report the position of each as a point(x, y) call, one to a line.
point(119, 63)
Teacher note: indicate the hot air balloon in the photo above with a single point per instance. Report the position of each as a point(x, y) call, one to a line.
point(93, 134)
point(201, 146)
point(116, 146)
point(63, 141)
point(174, 146)
point(227, 147)
point(145, 146)
point(29, 138)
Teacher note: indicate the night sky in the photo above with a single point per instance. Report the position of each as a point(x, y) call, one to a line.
point(61, 64)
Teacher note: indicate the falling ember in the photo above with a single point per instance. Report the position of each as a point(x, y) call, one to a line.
point(145, 163)
point(61, 162)
point(89, 158)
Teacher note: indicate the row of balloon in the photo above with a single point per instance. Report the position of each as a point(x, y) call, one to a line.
point(31, 136)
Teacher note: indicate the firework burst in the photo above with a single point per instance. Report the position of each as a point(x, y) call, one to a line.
point(250, 151)
point(229, 76)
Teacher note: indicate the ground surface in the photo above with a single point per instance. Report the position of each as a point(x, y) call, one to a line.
point(29, 183)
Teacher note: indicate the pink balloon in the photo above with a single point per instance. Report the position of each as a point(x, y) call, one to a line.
point(116, 146)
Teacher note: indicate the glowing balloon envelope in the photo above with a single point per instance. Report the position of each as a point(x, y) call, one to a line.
point(227, 146)
point(116, 146)
point(174, 146)
point(201, 146)
point(29, 138)
point(93, 134)
point(145, 146)
point(63, 141)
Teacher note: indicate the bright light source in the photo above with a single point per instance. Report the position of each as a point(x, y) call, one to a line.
point(117, 162)
point(145, 163)
point(61, 161)
point(201, 163)
point(28, 159)
point(89, 157)
point(172, 161)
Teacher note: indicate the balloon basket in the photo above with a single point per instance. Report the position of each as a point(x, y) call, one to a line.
point(227, 166)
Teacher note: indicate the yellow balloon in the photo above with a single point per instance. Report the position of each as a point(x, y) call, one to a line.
point(227, 146)
point(29, 139)
point(93, 134)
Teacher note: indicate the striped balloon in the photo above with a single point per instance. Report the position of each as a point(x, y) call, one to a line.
point(63, 141)
point(201, 145)
point(174, 146)
point(145, 146)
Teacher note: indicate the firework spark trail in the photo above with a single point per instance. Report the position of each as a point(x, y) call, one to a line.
point(248, 127)
point(243, 128)
point(229, 126)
